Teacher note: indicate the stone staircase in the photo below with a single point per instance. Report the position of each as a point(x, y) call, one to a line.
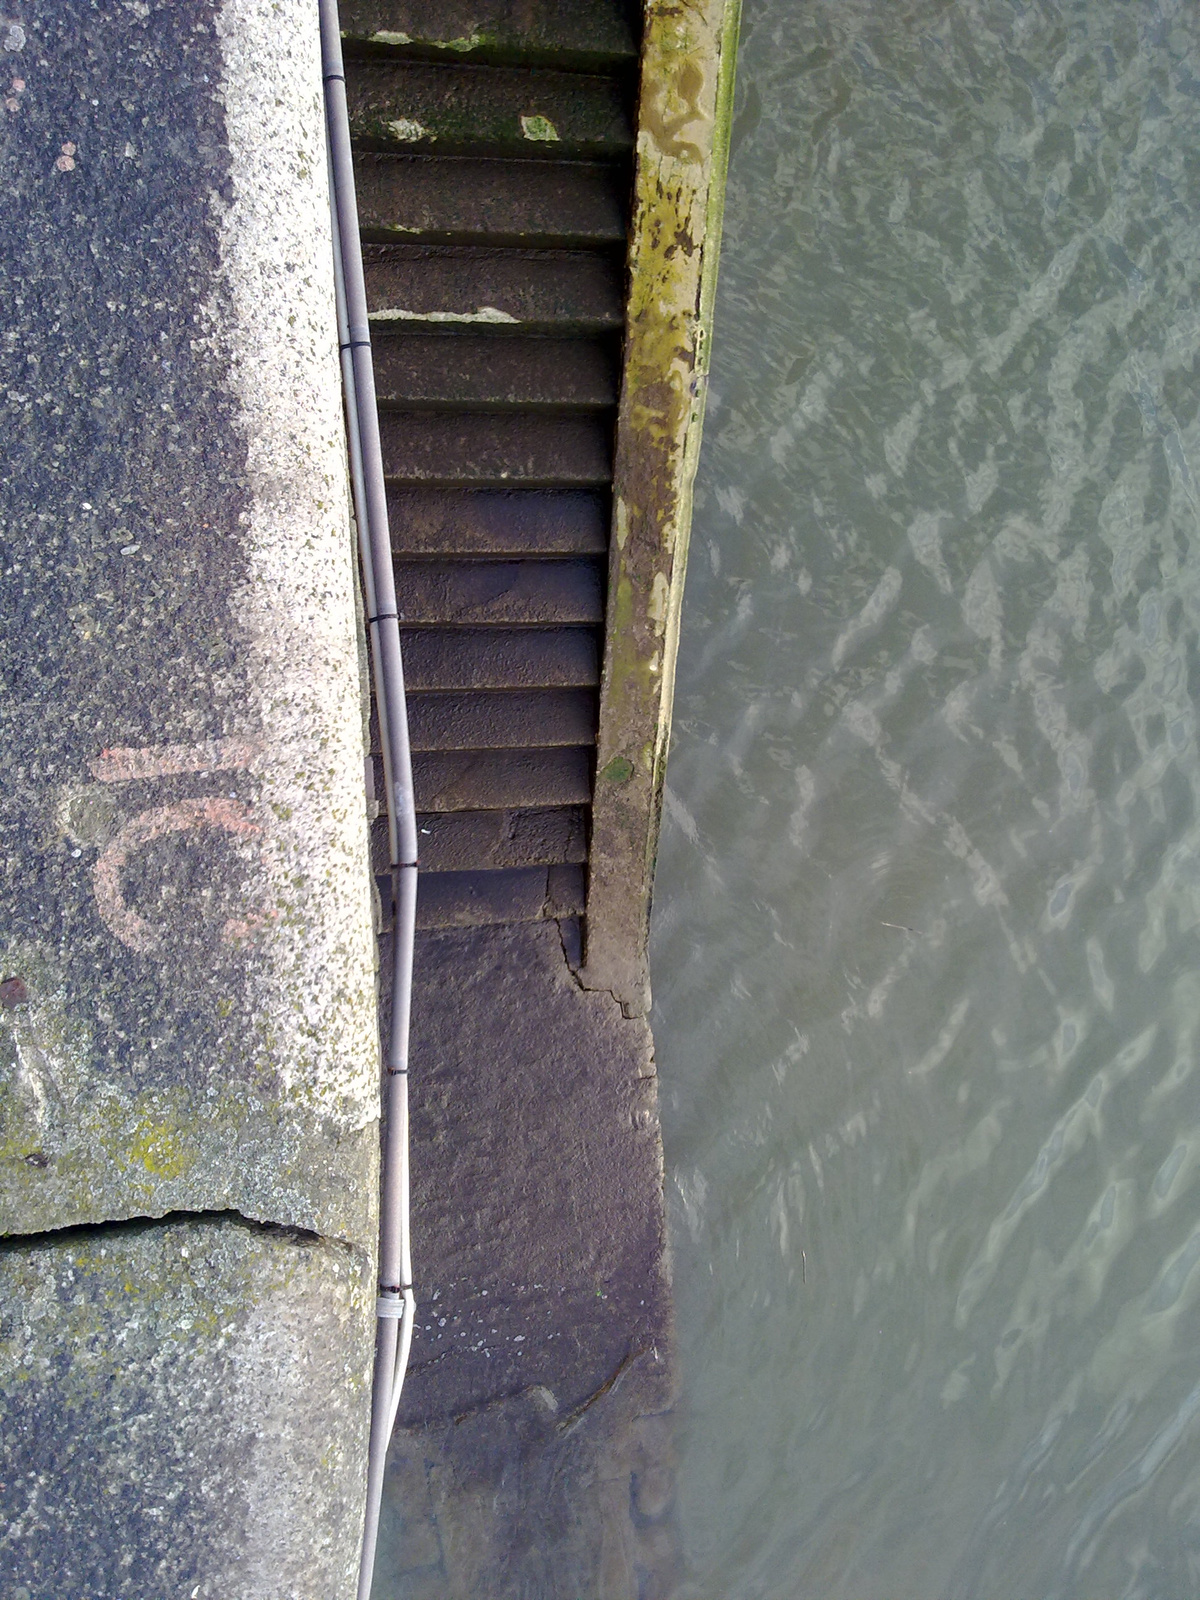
point(494, 159)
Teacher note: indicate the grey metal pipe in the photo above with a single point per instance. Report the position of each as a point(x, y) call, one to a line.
point(396, 1304)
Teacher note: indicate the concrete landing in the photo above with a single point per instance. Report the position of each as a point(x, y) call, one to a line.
point(532, 1456)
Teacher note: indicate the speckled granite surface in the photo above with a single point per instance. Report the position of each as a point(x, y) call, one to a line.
point(181, 1413)
point(187, 1007)
point(187, 1019)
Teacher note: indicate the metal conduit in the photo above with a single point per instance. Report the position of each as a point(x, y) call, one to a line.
point(395, 1306)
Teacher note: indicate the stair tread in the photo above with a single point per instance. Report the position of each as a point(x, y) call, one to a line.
point(502, 719)
point(497, 780)
point(519, 894)
point(469, 199)
point(517, 112)
point(500, 658)
point(499, 522)
point(471, 841)
point(505, 593)
point(513, 292)
point(469, 370)
point(487, 449)
point(598, 33)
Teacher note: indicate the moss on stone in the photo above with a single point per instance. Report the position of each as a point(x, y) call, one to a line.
point(682, 143)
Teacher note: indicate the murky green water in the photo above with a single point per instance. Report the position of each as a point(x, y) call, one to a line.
point(927, 943)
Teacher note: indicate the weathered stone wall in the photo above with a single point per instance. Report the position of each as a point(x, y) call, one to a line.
point(187, 1014)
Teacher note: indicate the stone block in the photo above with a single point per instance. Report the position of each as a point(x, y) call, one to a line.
point(186, 963)
point(183, 1412)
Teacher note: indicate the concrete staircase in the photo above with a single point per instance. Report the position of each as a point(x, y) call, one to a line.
point(494, 169)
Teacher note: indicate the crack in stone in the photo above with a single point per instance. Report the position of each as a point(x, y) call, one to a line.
point(628, 1013)
point(141, 1224)
point(573, 1418)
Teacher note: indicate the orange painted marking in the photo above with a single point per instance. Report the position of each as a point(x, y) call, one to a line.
point(210, 811)
point(125, 763)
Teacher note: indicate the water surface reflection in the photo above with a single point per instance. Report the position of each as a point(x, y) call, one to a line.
point(926, 951)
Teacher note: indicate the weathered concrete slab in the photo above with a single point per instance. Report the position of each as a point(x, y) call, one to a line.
point(558, 1192)
point(186, 1004)
point(533, 1457)
point(182, 1413)
point(550, 1215)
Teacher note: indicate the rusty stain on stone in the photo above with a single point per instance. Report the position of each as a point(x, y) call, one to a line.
point(13, 992)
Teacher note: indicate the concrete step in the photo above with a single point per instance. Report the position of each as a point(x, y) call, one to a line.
point(491, 840)
point(503, 593)
point(506, 522)
point(514, 292)
point(473, 372)
point(500, 658)
point(494, 163)
point(517, 112)
point(562, 32)
point(498, 780)
point(465, 200)
point(469, 841)
point(502, 720)
point(477, 899)
point(486, 450)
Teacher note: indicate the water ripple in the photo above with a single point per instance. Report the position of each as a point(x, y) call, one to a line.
point(927, 934)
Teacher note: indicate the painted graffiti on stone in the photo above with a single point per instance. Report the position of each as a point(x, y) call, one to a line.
point(226, 813)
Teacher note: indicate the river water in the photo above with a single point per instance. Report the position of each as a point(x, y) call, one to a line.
point(926, 952)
